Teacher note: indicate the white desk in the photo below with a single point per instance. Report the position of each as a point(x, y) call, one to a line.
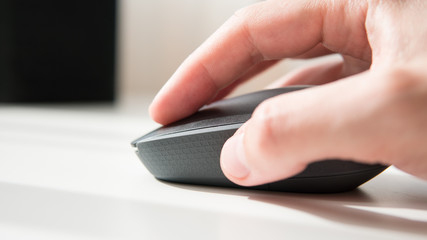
point(70, 173)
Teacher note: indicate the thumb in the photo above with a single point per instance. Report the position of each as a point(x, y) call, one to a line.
point(289, 131)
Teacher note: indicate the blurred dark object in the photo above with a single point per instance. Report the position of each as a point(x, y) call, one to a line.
point(57, 51)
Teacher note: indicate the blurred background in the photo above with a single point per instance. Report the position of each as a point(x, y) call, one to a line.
point(105, 50)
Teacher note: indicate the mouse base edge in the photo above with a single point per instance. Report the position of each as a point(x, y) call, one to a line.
point(316, 185)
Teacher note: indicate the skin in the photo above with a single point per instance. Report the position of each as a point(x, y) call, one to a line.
point(369, 107)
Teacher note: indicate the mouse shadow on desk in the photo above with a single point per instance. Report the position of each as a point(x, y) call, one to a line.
point(389, 202)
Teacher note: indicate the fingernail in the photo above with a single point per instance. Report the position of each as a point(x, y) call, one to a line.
point(233, 159)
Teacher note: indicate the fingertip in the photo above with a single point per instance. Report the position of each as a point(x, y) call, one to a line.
point(156, 112)
point(233, 160)
point(235, 164)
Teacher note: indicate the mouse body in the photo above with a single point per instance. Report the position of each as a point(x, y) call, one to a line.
point(188, 151)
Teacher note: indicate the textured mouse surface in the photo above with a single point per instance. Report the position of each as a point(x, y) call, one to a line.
point(188, 151)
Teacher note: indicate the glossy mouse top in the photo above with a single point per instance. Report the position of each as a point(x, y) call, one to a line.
point(188, 150)
point(235, 110)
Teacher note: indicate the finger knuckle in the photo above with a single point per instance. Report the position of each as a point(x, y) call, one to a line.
point(402, 94)
point(243, 13)
point(400, 81)
point(264, 131)
point(403, 90)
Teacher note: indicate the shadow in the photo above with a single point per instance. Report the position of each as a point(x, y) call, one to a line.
point(388, 203)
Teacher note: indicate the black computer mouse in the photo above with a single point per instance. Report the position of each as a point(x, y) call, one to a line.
point(188, 151)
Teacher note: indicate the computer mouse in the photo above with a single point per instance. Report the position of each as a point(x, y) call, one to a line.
point(188, 151)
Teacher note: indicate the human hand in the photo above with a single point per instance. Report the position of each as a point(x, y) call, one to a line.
point(371, 107)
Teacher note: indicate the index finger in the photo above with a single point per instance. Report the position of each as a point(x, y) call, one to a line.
point(264, 31)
